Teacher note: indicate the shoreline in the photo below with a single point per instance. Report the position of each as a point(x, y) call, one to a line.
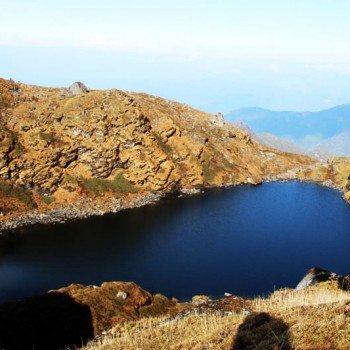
point(88, 208)
point(76, 211)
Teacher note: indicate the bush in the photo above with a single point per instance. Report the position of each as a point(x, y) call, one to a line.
point(18, 193)
point(208, 173)
point(48, 199)
point(48, 137)
point(98, 186)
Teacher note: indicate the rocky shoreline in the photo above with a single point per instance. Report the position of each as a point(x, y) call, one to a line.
point(77, 210)
point(88, 207)
point(295, 175)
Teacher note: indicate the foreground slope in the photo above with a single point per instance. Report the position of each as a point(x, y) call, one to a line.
point(316, 318)
point(122, 315)
point(95, 151)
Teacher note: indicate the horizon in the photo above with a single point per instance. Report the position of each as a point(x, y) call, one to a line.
point(222, 57)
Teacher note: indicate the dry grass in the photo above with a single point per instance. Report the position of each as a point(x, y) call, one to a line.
point(192, 332)
point(312, 319)
point(284, 299)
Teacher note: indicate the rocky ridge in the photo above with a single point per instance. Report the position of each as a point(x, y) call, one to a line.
point(100, 151)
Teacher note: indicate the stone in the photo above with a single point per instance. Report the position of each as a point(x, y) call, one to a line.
point(200, 299)
point(218, 119)
point(316, 275)
point(122, 295)
point(78, 88)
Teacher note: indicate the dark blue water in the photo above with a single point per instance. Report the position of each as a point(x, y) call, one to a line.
point(244, 240)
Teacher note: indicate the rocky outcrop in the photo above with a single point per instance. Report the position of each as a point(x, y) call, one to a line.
point(347, 185)
point(73, 315)
point(334, 173)
point(317, 275)
point(95, 146)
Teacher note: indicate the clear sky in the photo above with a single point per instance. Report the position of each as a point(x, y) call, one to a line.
point(214, 55)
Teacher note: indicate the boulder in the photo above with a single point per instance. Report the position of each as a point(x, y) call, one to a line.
point(218, 119)
point(78, 88)
point(317, 275)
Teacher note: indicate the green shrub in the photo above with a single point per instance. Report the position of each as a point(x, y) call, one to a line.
point(208, 173)
point(17, 192)
point(70, 179)
point(122, 185)
point(48, 137)
point(48, 199)
point(18, 148)
point(164, 146)
point(98, 186)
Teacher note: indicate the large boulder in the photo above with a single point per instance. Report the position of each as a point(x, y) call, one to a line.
point(317, 275)
point(78, 88)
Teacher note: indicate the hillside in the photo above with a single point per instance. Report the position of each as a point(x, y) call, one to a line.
point(121, 315)
point(337, 145)
point(74, 152)
point(285, 320)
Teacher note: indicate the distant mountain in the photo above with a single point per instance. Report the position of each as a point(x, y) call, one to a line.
point(279, 143)
point(245, 127)
point(338, 145)
point(320, 154)
point(325, 131)
point(296, 125)
point(269, 139)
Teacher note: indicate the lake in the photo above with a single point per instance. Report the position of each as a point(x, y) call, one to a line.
point(246, 240)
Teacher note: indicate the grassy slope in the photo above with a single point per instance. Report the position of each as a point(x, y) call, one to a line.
point(315, 318)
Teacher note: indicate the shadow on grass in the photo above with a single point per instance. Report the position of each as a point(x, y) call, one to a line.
point(263, 332)
point(51, 321)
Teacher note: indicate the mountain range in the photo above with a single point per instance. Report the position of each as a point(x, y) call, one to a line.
point(325, 132)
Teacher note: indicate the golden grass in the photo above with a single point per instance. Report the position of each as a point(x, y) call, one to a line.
point(311, 319)
point(191, 332)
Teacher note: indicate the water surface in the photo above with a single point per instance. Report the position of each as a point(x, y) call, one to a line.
point(246, 240)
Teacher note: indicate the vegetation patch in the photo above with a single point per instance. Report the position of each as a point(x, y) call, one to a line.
point(71, 179)
point(18, 148)
point(48, 137)
point(98, 186)
point(17, 192)
point(164, 146)
point(48, 199)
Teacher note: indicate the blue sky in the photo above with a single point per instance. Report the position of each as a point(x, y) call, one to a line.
point(213, 55)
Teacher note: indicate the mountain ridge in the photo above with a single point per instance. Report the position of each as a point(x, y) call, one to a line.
point(315, 132)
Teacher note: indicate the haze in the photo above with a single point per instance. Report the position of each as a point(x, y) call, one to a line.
point(216, 56)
